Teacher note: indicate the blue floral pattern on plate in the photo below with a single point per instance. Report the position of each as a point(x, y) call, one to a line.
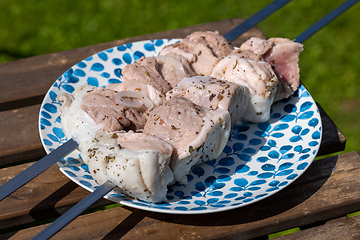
point(258, 160)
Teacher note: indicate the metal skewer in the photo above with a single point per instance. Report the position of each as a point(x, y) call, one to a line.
point(108, 186)
point(47, 161)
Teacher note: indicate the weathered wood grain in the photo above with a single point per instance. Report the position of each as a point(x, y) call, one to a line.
point(341, 228)
point(40, 72)
point(46, 196)
point(330, 188)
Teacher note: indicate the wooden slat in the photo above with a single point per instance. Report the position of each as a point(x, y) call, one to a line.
point(19, 138)
point(341, 228)
point(26, 81)
point(330, 188)
point(48, 195)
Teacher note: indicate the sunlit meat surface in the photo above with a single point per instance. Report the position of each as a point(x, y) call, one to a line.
point(212, 93)
point(145, 70)
point(173, 68)
point(149, 95)
point(257, 75)
point(112, 112)
point(283, 55)
point(198, 135)
point(137, 163)
point(203, 50)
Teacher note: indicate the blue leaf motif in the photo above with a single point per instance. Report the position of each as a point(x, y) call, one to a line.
point(265, 148)
point(285, 149)
point(303, 157)
point(50, 107)
point(288, 118)
point(244, 157)
point(296, 129)
point(304, 132)
point(53, 96)
point(253, 173)
point(281, 126)
point(271, 143)
point(249, 150)
point(277, 135)
point(227, 161)
point(257, 182)
point(241, 137)
point(200, 186)
point(53, 137)
point(97, 67)
point(306, 115)
point(198, 171)
point(305, 94)
point(285, 172)
point(223, 178)
point(113, 80)
point(255, 141)
point(288, 156)
point(127, 58)
point(105, 75)
point(212, 200)
point(58, 132)
point(242, 169)
point(211, 162)
point(209, 181)
point(121, 48)
point(253, 188)
point(238, 147)
point(199, 202)
point(138, 54)
point(274, 154)
point(227, 149)
point(117, 61)
point(302, 166)
point(268, 167)
point(295, 139)
point(262, 159)
point(316, 135)
point(118, 72)
point(45, 122)
point(230, 195)
point(305, 106)
point(45, 115)
point(47, 142)
point(290, 108)
point(159, 42)
point(285, 165)
point(215, 193)
point(93, 81)
point(217, 185)
point(103, 56)
point(79, 73)
point(265, 175)
point(68, 88)
point(222, 170)
point(149, 47)
point(241, 182)
point(264, 126)
point(313, 122)
point(291, 177)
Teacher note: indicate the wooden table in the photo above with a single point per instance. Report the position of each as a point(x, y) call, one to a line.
point(318, 201)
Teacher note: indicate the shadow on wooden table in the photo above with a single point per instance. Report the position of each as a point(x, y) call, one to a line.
point(282, 202)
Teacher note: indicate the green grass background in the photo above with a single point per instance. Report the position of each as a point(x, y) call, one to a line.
point(330, 66)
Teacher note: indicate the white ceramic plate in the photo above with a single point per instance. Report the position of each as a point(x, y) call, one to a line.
point(258, 161)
